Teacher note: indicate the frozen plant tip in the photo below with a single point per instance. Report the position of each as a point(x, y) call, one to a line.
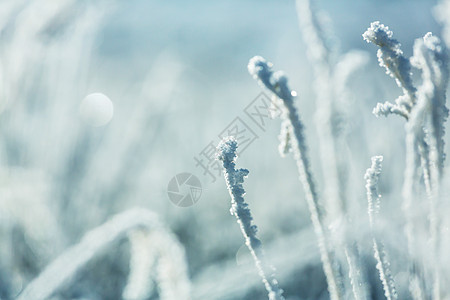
point(276, 82)
point(372, 175)
point(390, 56)
point(226, 152)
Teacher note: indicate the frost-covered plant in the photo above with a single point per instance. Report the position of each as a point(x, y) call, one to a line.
point(292, 138)
point(49, 59)
point(330, 81)
point(142, 265)
point(169, 255)
point(226, 152)
point(331, 94)
point(390, 56)
point(431, 57)
point(425, 111)
point(373, 197)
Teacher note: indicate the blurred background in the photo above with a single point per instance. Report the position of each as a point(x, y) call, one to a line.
point(169, 78)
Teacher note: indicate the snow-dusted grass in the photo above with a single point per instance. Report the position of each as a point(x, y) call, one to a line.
point(372, 176)
point(292, 137)
point(69, 172)
point(234, 178)
point(157, 243)
point(425, 110)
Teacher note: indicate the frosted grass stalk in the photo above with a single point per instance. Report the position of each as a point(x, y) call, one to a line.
point(329, 87)
point(426, 116)
point(276, 82)
point(391, 57)
point(348, 65)
point(431, 57)
point(155, 257)
point(372, 176)
point(415, 147)
point(327, 114)
point(226, 152)
point(359, 286)
point(142, 265)
point(65, 266)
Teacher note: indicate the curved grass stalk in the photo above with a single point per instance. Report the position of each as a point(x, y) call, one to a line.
point(425, 112)
point(172, 270)
point(142, 264)
point(328, 113)
point(390, 56)
point(330, 120)
point(277, 84)
point(431, 57)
